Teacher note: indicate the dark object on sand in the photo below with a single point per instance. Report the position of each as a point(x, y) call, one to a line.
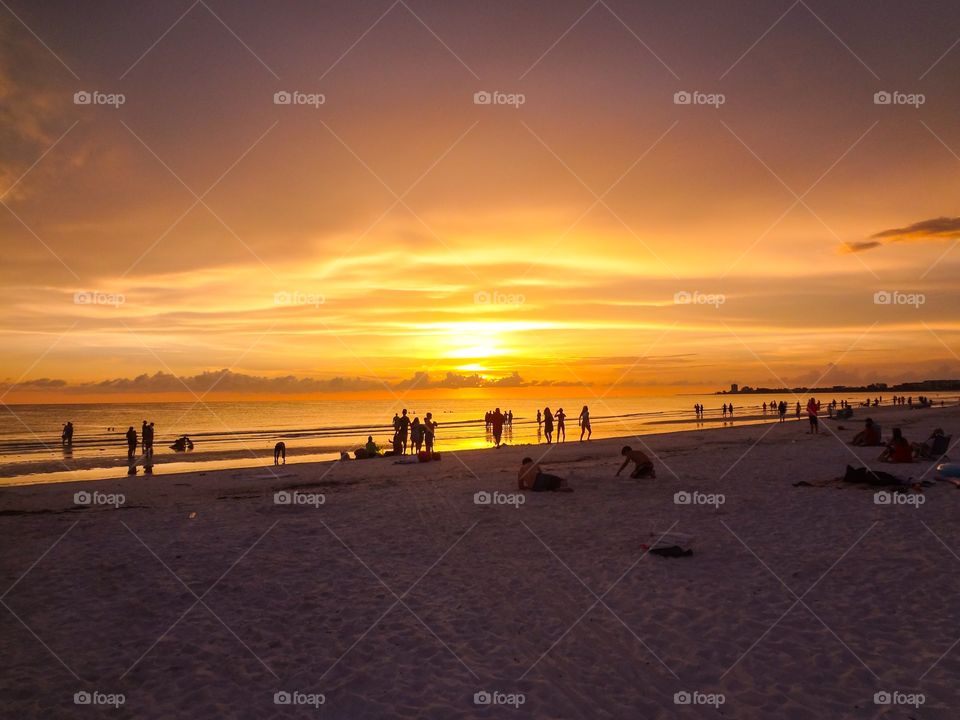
point(280, 453)
point(671, 551)
point(865, 476)
point(182, 443)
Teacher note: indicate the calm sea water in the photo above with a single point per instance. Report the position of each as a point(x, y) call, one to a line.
point(236, 434)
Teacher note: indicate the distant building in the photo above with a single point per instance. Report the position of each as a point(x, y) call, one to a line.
point(734, 388)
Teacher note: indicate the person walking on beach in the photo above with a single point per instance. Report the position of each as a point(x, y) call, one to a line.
point(561, 428)
point(496, 423)
point(798, 409)
point(131, 443)
point(67, 436)
point(584, 420)
point(812, 407)
point(724, 409)
point(782, 409)
point(548, 424)
point(429, 431)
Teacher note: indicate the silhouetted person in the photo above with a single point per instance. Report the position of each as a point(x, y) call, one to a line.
point(561, 428)
point(496, 422)
point(584, 420)
point(131, 443)
point(548, 424)
point(148, 440)
point(67, 436)
point(644, 466)
point(429, 431)
point(402, 425)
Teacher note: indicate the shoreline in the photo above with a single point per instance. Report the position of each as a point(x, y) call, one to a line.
point(91, 469)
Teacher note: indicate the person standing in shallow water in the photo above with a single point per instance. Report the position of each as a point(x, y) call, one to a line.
point(497, 420)
point(548, 424)
point(561, 427)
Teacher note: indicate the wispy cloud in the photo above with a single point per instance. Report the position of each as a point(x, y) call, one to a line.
point(932, 230)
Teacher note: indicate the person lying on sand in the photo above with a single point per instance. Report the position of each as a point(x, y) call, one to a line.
point(532, 477)
point(644, 468)
point(869, 436)
point(898, 449)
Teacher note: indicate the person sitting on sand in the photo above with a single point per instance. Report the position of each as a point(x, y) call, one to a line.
point(869, 436)
point(898, 449)
point(531, 477)
point(935, 446)
point(644, 467)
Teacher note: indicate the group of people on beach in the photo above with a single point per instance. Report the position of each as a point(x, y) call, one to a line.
point(413, 434)
point(546, 420)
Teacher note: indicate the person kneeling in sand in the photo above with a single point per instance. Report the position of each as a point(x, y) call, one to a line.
point(644, 468)
point(532, 477)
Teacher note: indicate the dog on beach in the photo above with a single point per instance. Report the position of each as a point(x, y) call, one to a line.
point(280, 453)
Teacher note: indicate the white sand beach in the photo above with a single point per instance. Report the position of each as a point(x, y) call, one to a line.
point(400, 597)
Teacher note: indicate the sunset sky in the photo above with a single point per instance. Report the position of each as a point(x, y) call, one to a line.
point(399, 228)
